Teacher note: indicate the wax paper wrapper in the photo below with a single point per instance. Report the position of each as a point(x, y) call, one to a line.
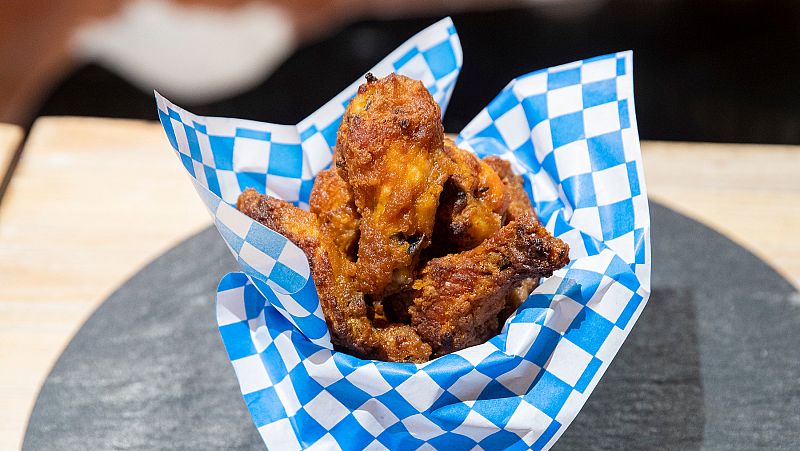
point(570, 131)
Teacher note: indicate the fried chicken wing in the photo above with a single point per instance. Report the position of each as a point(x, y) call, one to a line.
point(333, 204)
point(519, 202)
point(519, 205)
point(458, 296)
point(388, 150)
point(417, 248)
point(472, 203)
point(346, 311)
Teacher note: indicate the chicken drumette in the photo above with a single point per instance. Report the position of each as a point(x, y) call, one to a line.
point(389, 151)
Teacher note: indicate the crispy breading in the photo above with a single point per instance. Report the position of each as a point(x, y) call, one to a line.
point(346, 310)
point(472, 204)
point(458, 296)
point(519, 202)
point(388, 150)
point(519, 205)
point(333, 204)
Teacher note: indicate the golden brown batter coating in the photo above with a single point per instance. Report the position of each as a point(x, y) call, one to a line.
point(472, 204)
point(458, 296)
point(333, 204)
point(346, 311)
point(519, 203)
point(388, 150)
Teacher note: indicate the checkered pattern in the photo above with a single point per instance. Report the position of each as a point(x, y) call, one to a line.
point(570, 131)
point(276, 267)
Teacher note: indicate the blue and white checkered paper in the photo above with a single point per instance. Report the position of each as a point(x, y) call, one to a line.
point(570, 131)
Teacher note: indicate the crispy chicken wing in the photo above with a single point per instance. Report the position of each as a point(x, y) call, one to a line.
point(519, 205)
point(472, 203)
point(333, 204)
point(519, 202)
point(347, 313)
point(399, 188)
point(388, 150)
point(458, 296)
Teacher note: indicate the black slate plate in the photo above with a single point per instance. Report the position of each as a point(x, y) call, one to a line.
point(712, 363)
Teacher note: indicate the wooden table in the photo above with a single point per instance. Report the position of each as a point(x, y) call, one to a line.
point(93, 200)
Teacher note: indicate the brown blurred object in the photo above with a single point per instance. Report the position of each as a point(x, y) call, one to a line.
point(36, 42)
point(35, 49)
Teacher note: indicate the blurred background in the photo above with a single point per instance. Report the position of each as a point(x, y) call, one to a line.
point(713, 70)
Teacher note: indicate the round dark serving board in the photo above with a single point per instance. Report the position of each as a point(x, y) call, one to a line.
point(713, 362)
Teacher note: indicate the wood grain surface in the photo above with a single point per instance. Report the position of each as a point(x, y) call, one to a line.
point(93, 200)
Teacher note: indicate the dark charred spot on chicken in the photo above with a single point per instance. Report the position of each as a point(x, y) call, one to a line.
point(447, 340)
point(413, 243)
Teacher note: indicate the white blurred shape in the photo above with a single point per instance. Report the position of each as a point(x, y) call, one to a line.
point(190, 54)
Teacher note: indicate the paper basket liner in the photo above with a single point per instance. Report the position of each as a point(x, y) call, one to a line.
point(570, 131)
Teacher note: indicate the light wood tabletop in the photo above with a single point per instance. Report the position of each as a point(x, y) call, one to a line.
point(93, 200)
